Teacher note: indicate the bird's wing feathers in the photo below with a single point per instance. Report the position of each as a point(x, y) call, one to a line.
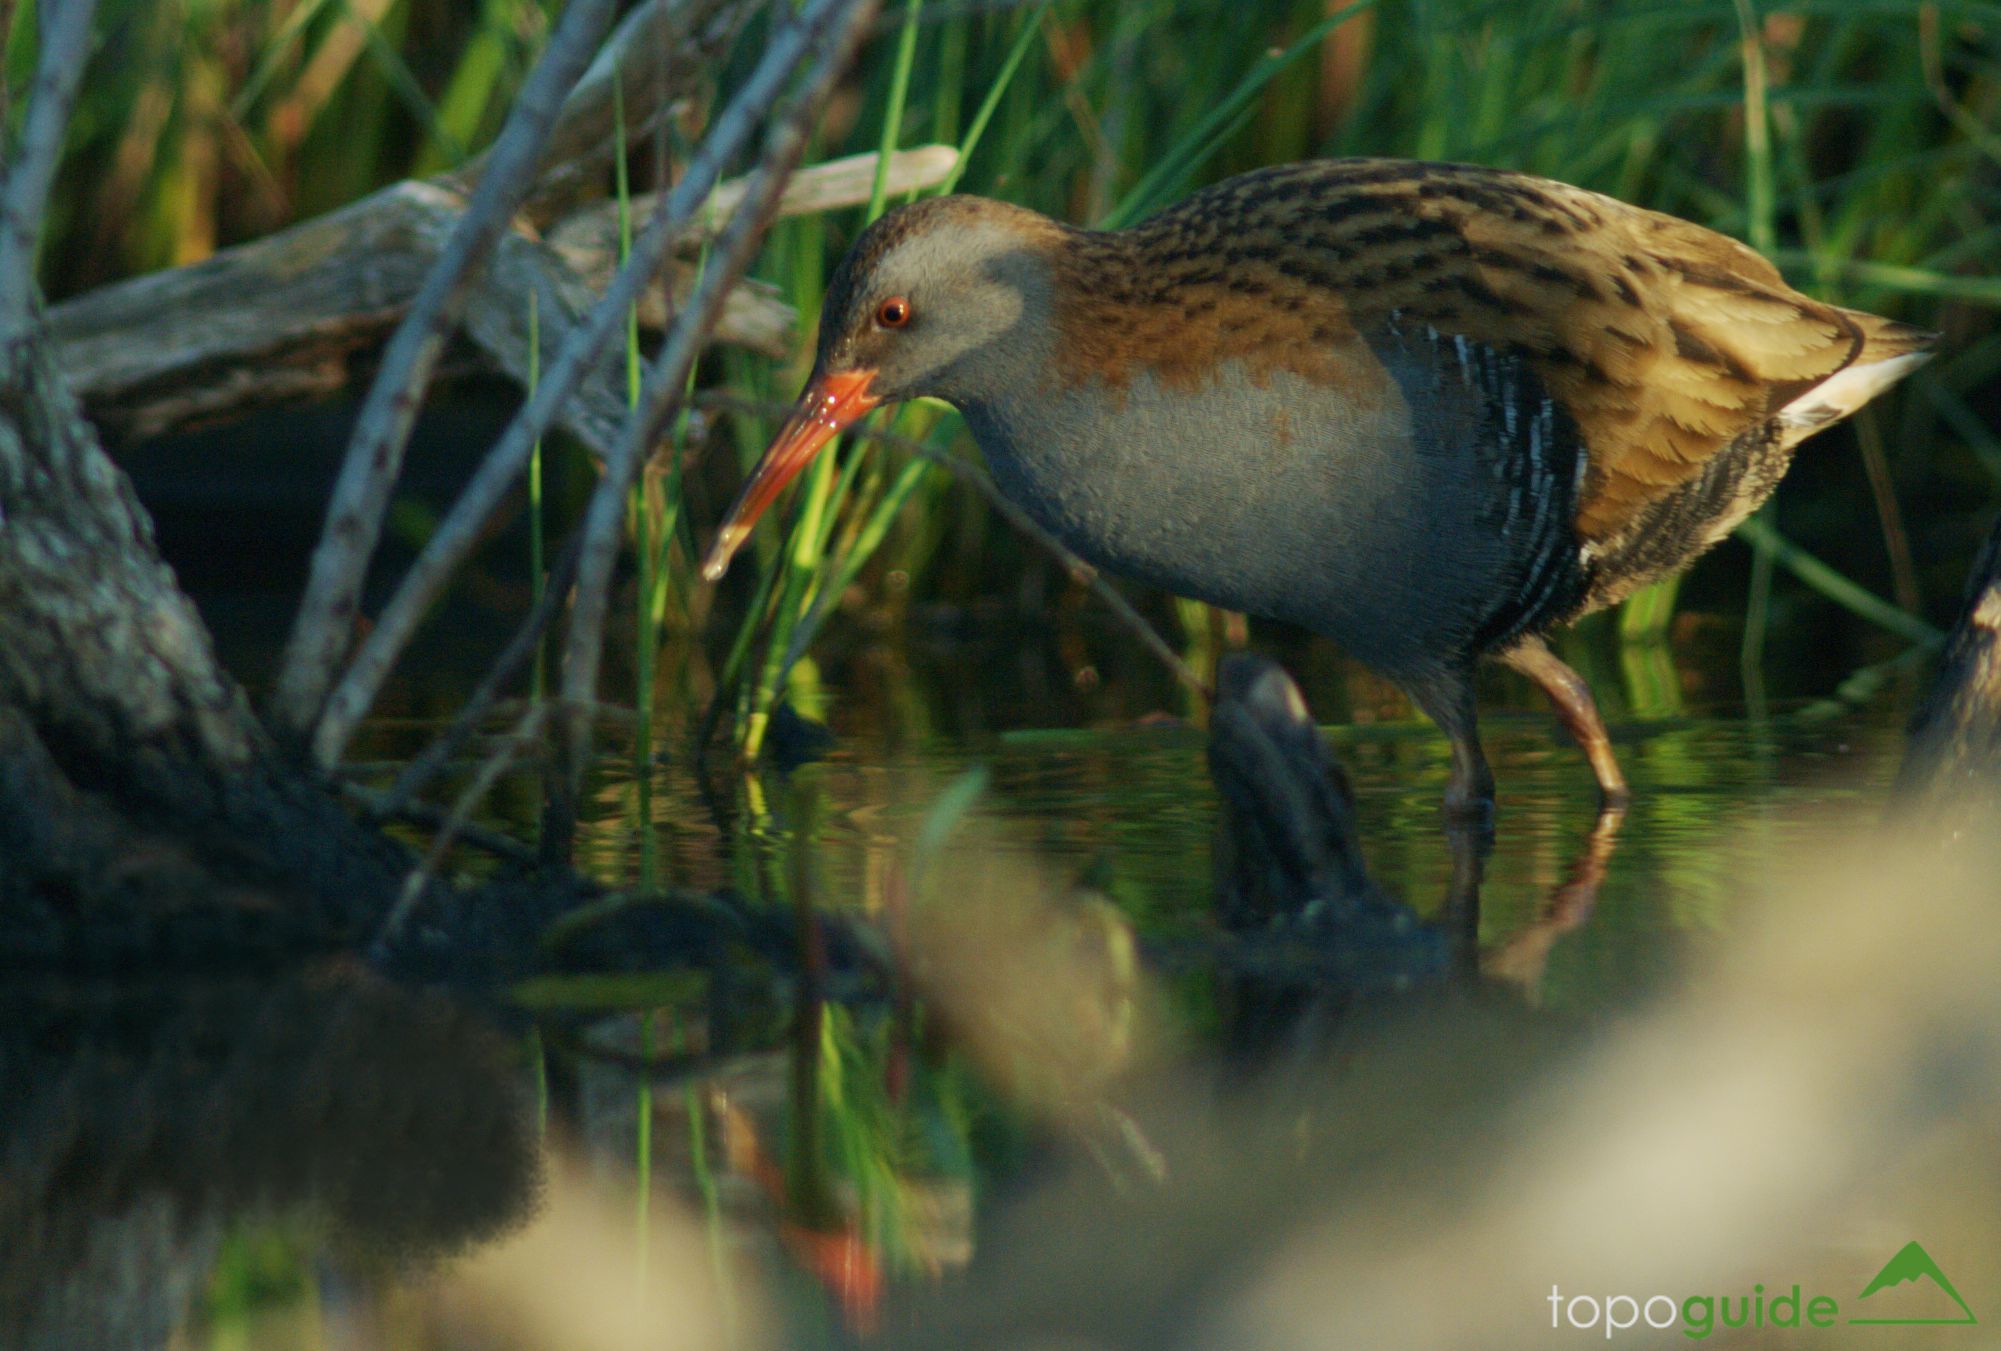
point(1664, 341)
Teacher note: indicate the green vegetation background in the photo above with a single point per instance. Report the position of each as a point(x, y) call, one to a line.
point(1853, 139)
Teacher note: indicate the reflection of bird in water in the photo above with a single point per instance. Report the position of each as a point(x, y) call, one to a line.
point(1429, 410)
point(1293, 890)
point(830, 1246)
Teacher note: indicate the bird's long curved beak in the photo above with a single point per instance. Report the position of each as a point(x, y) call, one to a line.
point(832, 400)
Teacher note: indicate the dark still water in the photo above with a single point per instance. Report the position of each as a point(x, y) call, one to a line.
point(326, 1160)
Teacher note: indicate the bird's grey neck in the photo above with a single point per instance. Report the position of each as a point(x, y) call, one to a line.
point(1005, 370)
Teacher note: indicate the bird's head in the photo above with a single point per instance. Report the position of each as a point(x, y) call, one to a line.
point(947, 298)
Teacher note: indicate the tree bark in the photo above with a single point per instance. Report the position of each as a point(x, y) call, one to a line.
point(125, 749)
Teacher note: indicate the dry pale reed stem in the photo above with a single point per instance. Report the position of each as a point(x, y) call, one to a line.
point(320, 632)
point(24, 195)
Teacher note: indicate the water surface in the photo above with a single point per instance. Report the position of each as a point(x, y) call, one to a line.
point(286, 1164)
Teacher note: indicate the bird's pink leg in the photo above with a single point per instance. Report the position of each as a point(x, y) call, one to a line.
point(1578, 711)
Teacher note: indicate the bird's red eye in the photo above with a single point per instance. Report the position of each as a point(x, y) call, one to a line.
point(893, 312)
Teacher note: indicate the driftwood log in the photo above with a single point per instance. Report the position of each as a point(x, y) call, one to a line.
point(294, 315)
point(131, 767)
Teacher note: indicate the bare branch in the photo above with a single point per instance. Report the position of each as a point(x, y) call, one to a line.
point(459, 531)
point(321, 630)
point(657, 52)
point(496, 320)
point(418, 881)
point(417, 774)
point(842, 23)
point(588, 238)
point(24, 195)
point(290, 316)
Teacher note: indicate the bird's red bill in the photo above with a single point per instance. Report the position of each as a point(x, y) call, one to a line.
point(830, 403)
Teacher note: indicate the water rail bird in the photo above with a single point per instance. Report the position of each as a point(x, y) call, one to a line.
point(1431, 411)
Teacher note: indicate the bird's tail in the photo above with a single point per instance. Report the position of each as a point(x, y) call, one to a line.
point(1885, 338)
point(1889, 351)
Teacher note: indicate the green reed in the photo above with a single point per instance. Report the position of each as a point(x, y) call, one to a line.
point(646, 645)
point(827, 486)
point(1764, 237)
point(821, 561)
point(538, 563)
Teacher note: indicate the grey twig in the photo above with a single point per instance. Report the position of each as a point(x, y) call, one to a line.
point(375, 453)
point(460, 529)
point(831, 27)
point(657, 59)
point(527, 729)
point(420, 771)
point(24, 193)
point(433, 817)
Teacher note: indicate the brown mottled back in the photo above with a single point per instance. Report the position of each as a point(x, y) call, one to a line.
point(1663, 341)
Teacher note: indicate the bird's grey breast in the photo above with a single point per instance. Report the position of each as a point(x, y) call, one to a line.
point(1370, 510)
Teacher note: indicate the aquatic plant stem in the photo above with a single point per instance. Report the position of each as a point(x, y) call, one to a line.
point(1904, 588)
point(1189, 152)
point(1758, 176)
point(825, 494)
point(899, 94)
point(1015, 53)
point(1837, 588)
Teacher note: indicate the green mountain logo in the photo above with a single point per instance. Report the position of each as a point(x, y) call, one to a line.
point(1913, 1263)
